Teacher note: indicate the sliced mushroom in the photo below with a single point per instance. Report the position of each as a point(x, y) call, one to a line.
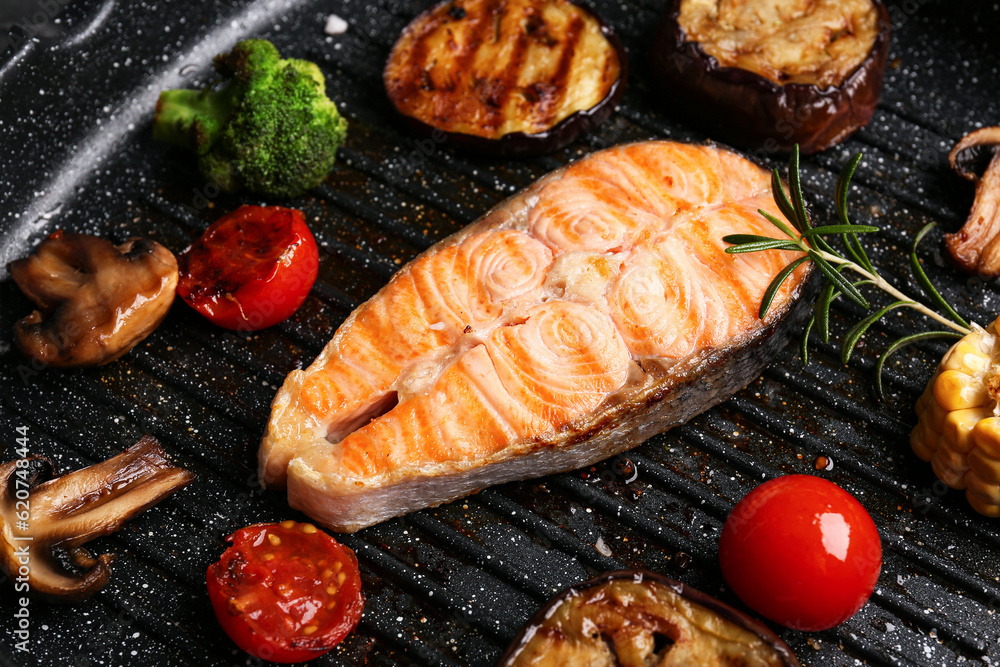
point(38, 513)
point(95, 300)
point(976, 247)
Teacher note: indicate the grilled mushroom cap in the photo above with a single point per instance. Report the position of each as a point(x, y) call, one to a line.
point(70, 511)
point(95, 300)
point(976, 247)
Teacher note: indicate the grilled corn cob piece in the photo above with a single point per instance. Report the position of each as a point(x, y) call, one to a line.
point(958, 430)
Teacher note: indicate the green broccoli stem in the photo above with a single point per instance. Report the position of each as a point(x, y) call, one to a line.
point(193, 119)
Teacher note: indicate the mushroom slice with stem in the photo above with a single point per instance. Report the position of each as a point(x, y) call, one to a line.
point(95, 300)
point(976, 247)
point(39, 512)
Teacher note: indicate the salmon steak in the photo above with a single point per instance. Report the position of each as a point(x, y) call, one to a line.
point(583, 315)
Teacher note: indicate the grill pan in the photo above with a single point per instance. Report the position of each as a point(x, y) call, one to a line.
point(452, 585)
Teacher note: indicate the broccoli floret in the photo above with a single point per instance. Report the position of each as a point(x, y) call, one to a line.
point(269, 128)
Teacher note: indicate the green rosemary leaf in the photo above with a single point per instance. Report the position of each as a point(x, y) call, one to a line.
point(795, 183)
point(821, 243)
point(804, 349)
point(775, 244)
point(822, 312)
point(844, 186)
point(857, 252)
point(841, 229)
point(781, 199)
point(839, 281)
point(906, 340)
point(859, 329)
point(778, 223)
point(851, 243)
point(832, 264)
point(924, 231)
point(738, 239)
point(925, 282)
point(772, 289)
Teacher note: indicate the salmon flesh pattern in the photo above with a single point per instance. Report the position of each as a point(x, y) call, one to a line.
point(574, 320)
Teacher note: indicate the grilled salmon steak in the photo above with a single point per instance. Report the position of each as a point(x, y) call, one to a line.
point(576, 319)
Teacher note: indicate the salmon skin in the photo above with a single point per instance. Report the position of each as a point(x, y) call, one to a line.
point(576, 319)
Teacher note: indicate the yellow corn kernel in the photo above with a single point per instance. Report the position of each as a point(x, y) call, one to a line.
point(986, 467)
point(981, 506)
point(924, 400)
point(966, 357)
point(957, 432)
point(933, 421)
point(986, 492)
point(958, 425)
point(955, 390)
point(933, 417)
point(925, 434)
point(986, 435)
point(949, 457)
point(919, 444)
point(953, 476)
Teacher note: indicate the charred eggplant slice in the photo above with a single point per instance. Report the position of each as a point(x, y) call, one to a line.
point(769, 74)
point(634, 618)
point(521, 77)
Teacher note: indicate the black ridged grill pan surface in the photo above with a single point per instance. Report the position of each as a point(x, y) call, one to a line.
point(452, 585)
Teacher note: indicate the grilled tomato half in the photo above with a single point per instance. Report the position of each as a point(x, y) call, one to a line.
point(516, 78)
point(769, 74)
point(286, 592)
point(251, 269)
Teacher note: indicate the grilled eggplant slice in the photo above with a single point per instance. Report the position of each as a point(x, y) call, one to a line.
point(769, 74)
point(634, 618)
point(521, 77)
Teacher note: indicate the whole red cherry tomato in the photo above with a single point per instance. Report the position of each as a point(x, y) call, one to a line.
point(250, 269)
point(802, 552)
point(286, 592)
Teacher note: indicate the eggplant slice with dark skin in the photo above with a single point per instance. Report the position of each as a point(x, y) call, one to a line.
point(635, 618)
point(758, 112)
point(39, 512)
point(515, 78)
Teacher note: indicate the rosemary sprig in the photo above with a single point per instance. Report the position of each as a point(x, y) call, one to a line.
point(803, 237)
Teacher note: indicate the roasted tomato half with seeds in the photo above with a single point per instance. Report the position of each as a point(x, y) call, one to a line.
point(286, 592)
point(251, 269)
